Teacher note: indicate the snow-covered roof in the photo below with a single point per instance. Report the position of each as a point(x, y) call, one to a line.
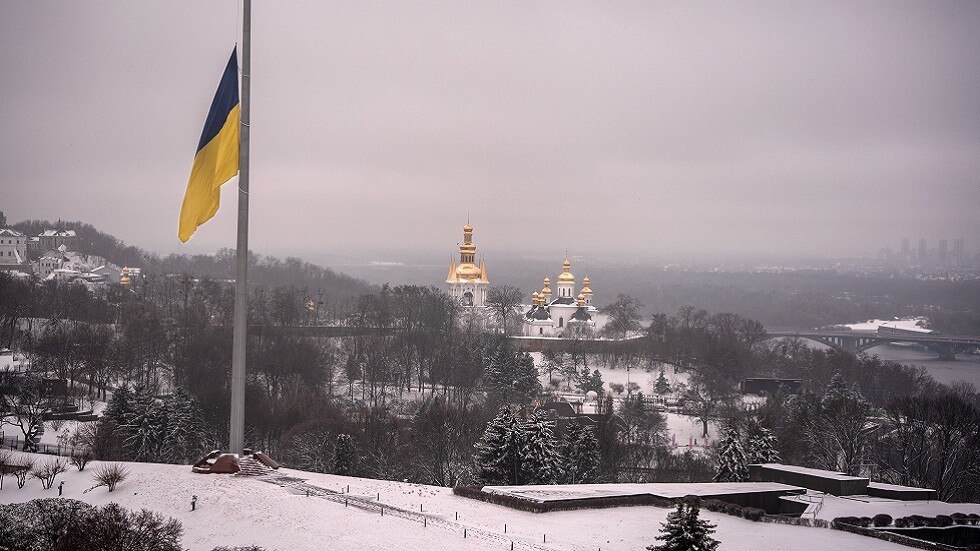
point(808, 471)
point(57, 233)
point(10, 232)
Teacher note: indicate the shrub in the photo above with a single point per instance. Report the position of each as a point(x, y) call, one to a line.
point(974, 519)
point(853, 521)
point(960, 518)
point(943, 521)
point(917, 521)
point(715, 505)
point(109, 475)
point(21, 471)
point(47, 472)
point(753, 513)
point(864, 522)
point(903, 522)
point(733, 509)
point(246, 548)
point(81, 458)
point(881, 520)
point(57, 523)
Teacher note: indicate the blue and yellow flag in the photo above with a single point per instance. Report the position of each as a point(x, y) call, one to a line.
point(216, 160)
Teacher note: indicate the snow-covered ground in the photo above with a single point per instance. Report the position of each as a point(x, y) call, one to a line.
point(247, 511)
point(908, 324)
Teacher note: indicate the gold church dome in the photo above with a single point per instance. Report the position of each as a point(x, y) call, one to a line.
point(566, 276)
point(468, 270)
point(585, 286)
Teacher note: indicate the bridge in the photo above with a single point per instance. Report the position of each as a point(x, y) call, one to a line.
point(946, 346)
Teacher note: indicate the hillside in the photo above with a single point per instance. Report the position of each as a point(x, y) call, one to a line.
point(235, 510)
point(263, 270)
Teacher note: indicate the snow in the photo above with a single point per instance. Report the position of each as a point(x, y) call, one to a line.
point(832, 507)
point(235, 510)
point(907, 324)
point(561, 492)
point(812, 472)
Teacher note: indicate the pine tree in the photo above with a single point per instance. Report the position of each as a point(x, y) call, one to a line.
point(540, 455)
point(569, 449)
point(344, 456)
point(662, 386)
point(761, 445)
point(587, 457)
point(185, 431)
point(684, 531)
point(145, 426)
point(731, 458)
point(498, 451)
point(119, 406)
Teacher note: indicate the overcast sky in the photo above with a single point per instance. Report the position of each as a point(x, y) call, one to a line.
point(634, 129)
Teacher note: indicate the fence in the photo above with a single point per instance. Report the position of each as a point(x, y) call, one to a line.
point(16, 443)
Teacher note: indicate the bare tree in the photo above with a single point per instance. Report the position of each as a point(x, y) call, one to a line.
point(504, 303)
point(26, 406)
point(624, 316)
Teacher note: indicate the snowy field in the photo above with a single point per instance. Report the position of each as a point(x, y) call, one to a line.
point(247, 511)
point(907, 324)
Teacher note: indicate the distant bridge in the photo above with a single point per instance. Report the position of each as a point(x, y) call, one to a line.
point(946, 346)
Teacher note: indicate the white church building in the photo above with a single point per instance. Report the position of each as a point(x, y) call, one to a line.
point(562, 312)
point(468, 282)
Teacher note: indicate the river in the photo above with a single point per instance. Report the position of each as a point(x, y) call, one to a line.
point(963, 368)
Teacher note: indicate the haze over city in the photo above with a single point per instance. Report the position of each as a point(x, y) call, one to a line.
point(629, 131)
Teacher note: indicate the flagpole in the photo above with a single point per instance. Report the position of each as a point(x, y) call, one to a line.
point(236, 439)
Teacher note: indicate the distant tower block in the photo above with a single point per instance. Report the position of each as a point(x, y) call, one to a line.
point(467, 282)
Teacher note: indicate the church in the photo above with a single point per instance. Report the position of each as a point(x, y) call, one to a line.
point(467, 282)
point(565, 315)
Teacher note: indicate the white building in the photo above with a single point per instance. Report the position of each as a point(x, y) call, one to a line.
point(13, 248)
point(467, 282)
point(568, 314)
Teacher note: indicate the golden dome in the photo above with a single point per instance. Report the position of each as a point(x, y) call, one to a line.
point(566, 276)
point(468, 270)
point(585, 286)
point(581, 300)
point(546, 292)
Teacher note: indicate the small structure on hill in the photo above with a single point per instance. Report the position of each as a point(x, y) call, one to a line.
point(249, 463)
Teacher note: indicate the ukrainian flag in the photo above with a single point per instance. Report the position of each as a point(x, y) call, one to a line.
point(216, 160)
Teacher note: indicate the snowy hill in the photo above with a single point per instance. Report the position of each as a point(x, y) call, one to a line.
point(234, 510)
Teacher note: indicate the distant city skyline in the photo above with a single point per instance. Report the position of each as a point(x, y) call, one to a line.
point(630, 131)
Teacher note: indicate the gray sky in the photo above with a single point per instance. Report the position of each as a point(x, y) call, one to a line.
point(633, 129)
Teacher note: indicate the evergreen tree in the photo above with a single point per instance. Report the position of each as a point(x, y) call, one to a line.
point(662, 386)
point(684, 531)
point(761, 444)
point(581, 456)
point(185, 430)
point(589, 381)
point(145, 427)
point(120, 406)
point(541, 458)
point(510, 375)
point(731, 458)
point(569, 448)
point(344, 456)
point(498, 451)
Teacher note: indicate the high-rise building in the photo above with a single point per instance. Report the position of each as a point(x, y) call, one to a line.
point(959, 251)
point(943, 251)
point(906, 250)
point(923, 250)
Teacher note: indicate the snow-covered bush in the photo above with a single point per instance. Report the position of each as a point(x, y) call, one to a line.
point(109, 475)
point(56, 524)
point(753, 513)
point(881, 519)
point(685, 531)
point(80, 458)
point(47, 471)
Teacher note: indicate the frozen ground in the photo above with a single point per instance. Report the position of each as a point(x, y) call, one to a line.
point(247, 511)
point(908, 324)
point(560, 492)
